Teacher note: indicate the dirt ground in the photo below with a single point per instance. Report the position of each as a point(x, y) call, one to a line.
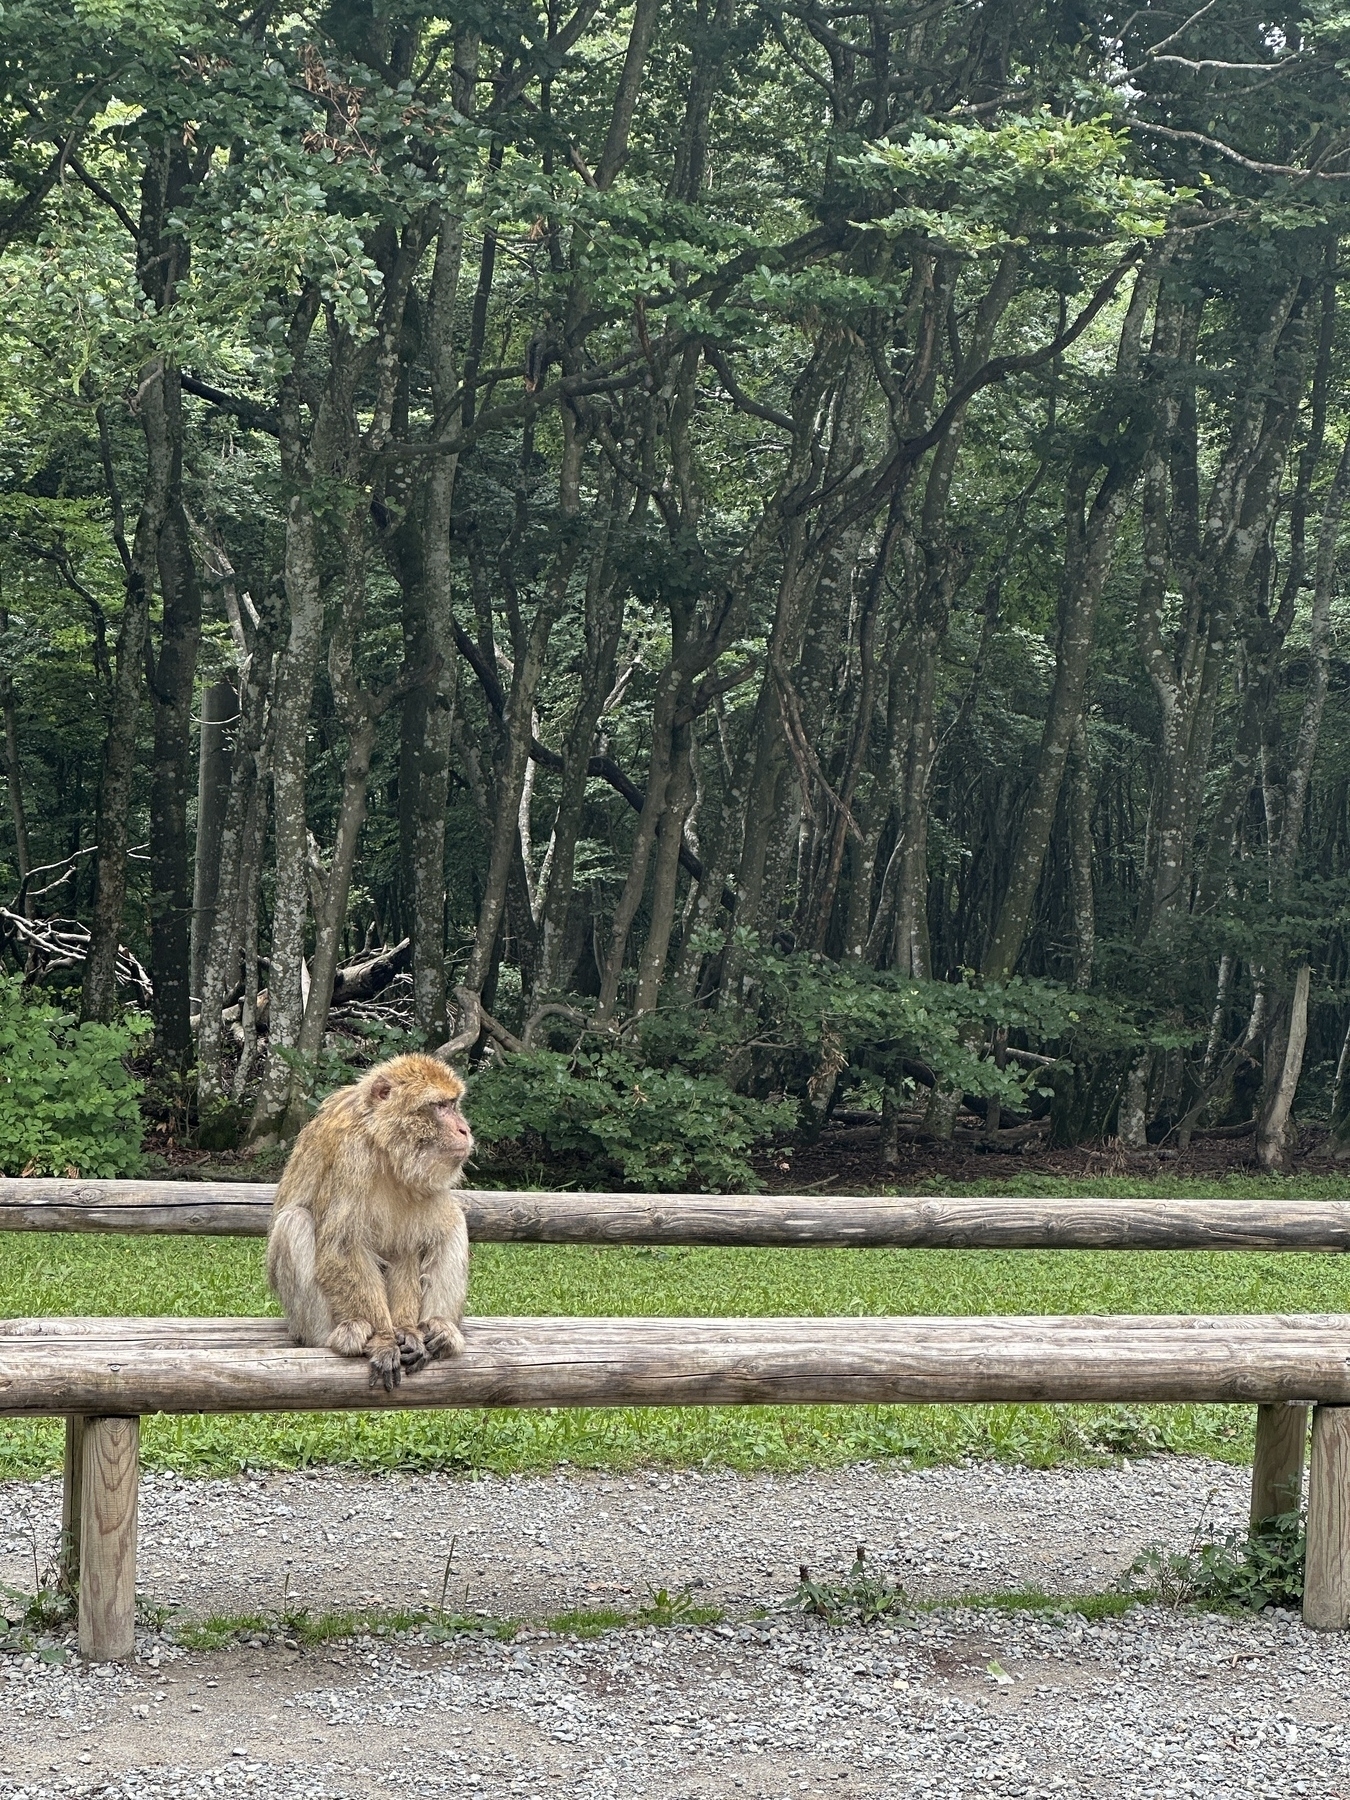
point(956, 1703)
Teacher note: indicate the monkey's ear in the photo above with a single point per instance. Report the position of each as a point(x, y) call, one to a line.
point(381, 1090)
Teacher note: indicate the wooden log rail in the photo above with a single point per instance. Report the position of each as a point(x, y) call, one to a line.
point(104, 1374)
point(52, 1366)
point(242, 1209)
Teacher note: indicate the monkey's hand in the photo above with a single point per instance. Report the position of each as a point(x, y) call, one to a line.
point(442, 1337)
point(350, 1338)
point(386, 1363)
point(412, 1349)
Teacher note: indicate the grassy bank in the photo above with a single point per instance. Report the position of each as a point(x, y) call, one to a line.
point(185, 1276)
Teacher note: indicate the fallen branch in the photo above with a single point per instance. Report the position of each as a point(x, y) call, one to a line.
point(474, 1023)
point(364, 979)
point(64, 944)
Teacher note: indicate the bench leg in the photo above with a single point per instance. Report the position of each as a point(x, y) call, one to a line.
point(1326, 1579)
point(72, 1487)
point(111, 1467)
point(1277, 1468)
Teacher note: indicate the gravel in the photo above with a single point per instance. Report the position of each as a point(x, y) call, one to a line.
point(957, 1704)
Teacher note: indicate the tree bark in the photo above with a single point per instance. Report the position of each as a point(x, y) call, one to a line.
point(1274, 1131)
point(13, 777)
point(161, 261)
point(1080, 859)
point(98, 991)
point(172, 677)
point(679, 796)
point(220, 718)
point(234, 925)
point(293, 694)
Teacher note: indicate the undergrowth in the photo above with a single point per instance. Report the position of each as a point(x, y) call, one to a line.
point(1230, 1570)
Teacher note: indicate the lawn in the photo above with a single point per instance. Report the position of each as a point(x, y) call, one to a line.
point(109, 1275)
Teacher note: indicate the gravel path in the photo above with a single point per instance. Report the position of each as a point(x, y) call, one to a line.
point(960, 1705)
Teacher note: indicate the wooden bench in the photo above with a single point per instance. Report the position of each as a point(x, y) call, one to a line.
point(103, 1375)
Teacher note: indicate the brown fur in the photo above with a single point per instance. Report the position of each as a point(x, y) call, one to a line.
point(368, 1251)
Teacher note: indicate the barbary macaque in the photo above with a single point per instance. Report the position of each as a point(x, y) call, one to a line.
point(368, 1251)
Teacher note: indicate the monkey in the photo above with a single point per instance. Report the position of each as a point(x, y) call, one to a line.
point(367, 1250)
point(539, 353)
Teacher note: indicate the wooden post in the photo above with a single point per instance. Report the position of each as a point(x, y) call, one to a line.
point(72, 1490)
point(108, 1539)
point(1326, 1579)
point(1277, 1468)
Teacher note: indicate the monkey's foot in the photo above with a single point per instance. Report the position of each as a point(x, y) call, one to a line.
point(442, 1337)
point(350, 1338)
point(386, 1364)
point(412, 1350)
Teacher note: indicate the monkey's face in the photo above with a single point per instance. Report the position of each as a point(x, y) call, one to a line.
point(452, 1133)
point(417, 1117)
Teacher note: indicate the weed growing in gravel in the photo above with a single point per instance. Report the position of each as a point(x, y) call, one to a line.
point(860, 1598)
point(1086, 1606)
point(1233, 1570)
point(680, 1608)
point(298, 1628)
point(661, 1608)
point(48, 1608)
point(587, 1624)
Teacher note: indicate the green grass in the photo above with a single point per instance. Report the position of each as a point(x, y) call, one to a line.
point(186, 1276)
point(310, 1629)
point(1087, 1606)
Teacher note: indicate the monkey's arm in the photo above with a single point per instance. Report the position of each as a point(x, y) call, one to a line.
point(403, 1281)
point(349, 1276)
point(444, 1285)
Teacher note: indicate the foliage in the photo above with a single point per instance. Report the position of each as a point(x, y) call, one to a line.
point(68, 1103)
point(788, 406)
point(861, 1598)
point(662, 1608)
point(1242, 1570)
point(659, 1128)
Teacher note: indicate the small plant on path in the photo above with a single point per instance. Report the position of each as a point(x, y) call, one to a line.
point(1244, 1571)
point(860, 1598)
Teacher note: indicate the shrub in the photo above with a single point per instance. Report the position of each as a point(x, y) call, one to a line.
point(657, 1128)
point(68, 1102)
point(1244, 1571)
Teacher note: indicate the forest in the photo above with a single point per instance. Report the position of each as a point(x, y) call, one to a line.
point(729, 564)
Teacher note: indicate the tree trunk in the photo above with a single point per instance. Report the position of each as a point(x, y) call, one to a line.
point(518, 726)
point(98, 992)
point(435, 700)
point(172, 677)
point(654, 809)
point(22, 859)
point(1340, 1102)
point(161, 262)
point(219, 720)
point(1286, 1040)
point(1132, 1113)
point(679, 796)
point(293, 695)
point(1080, 859)
point(332, 914)
point(249, 903)
point(1089, 543)
point(243, 830)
